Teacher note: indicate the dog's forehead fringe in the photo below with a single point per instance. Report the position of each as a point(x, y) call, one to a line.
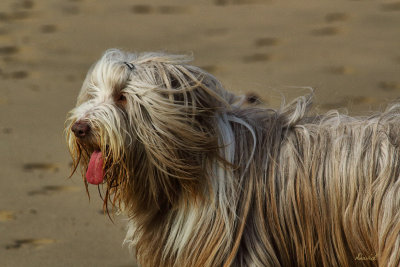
point(111, 75)
point(115, 64)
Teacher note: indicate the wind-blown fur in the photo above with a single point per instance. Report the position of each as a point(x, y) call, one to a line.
point(207, 180)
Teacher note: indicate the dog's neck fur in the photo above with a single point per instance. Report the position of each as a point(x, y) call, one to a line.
point(207, 229)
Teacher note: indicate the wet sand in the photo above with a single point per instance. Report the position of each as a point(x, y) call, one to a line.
point(347, 50)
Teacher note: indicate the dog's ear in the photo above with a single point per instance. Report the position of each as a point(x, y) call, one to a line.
point(174, 119)
point(171, 126)
point(252, 98)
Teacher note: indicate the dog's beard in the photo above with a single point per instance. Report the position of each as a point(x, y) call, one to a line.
point(102, 164)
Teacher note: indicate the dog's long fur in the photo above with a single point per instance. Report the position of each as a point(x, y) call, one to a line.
point(209, 181)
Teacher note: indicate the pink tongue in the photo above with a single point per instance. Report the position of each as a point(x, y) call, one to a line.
point(95, 170)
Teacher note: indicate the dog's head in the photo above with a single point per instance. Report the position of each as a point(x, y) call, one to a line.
point(144, 126)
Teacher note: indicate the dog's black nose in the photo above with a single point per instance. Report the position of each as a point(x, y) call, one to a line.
point(80, 129)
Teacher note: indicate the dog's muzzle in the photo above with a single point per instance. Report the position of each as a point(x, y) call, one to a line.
point(95, 169)
point(80, 129)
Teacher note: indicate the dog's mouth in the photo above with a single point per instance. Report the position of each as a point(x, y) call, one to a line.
point(95, 169)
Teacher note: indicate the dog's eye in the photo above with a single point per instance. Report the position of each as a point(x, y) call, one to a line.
point(121, 99)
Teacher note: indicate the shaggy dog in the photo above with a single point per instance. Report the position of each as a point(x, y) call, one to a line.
point(207, 180)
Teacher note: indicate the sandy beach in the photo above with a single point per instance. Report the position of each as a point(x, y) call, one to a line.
point(348, 51)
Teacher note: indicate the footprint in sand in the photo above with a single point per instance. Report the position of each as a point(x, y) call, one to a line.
point(395, 6)
point(237, 2)
point(71, 10)
point(143, 9)
point(257, 57)
point(49, 28)
point(389, 86)
point(32, 243)
point(52, 189)
point(172, 10)
point(6, 130)
point(336, 16)
point(27, 4)
point(326, 31)
point(165, 10)
point(6, 215)
point(21, 74)
point(15, 15)
point(340, 70)
point(33, 211)
point(3, 16)
point(20, 10)
point(41, 166)
point(8, 50)
point(266, 41)
point(221, 2)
